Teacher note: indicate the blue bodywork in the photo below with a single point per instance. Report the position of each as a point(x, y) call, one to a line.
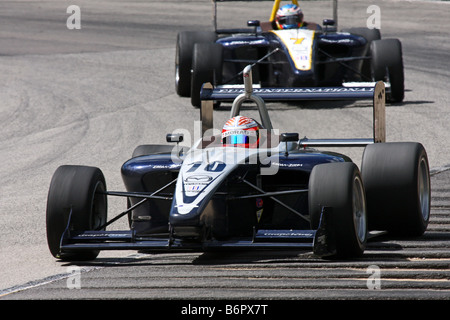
point(279, 70)
point(224, 215)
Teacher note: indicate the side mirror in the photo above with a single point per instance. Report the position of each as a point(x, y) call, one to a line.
point(253, 23)
point(256, 24)
point(289, 136)
point(329, 22)
point(174, 137)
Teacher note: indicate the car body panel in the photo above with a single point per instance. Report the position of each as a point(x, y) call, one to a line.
point(196, 200)
point(303, 58)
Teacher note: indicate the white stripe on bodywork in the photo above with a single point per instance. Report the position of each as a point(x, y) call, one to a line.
point(299, 43)
point(203, 170)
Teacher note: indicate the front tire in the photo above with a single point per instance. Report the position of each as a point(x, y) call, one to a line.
point(340, 186)
point(80, 189)
point(149, 149)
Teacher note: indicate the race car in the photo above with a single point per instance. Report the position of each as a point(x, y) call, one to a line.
point(287, 54)
point(247, 187)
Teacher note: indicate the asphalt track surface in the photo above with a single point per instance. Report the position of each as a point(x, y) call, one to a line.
point(90, 96)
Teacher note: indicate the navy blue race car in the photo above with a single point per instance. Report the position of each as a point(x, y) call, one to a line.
point(247, 187)
point(287, 51)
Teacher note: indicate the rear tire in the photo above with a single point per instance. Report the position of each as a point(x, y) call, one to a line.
point(387, 65)
point(81, 189)
point(370, 35)
point(207, 64)
point(340, 186)
point(183, 58)
point(149, 149)
point(397, 181)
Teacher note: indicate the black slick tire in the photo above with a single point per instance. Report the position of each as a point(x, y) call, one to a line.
point(80, 189)
point(206, 67)
point(397, 181)
point(370, 35)
point(387, 65)
point(149, 149)
point(183, 58)
point(339, 186)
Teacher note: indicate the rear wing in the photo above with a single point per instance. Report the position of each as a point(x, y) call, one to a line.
point(376, 93)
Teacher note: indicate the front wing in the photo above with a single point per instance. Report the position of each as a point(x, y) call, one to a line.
point(320, 241)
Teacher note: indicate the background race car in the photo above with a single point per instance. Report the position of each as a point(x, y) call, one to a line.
point(305, 55)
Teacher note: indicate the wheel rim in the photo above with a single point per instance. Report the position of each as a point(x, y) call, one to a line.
point(177, 66)
point(359, 210)
point(98, 217)
point(424, 189)
point(177, 75)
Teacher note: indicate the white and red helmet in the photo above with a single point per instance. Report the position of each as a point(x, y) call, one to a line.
point(242, 132)
point(289, 16)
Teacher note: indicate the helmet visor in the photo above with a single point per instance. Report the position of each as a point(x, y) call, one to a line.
point(236, 139)
point(290, 20)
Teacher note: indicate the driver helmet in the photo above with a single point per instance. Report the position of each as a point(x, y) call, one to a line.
point(289, 16)
point(241, 131)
